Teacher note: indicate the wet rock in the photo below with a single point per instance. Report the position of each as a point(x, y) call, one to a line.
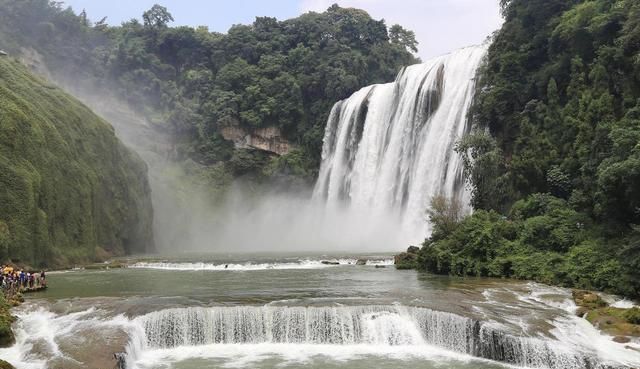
point(40, 350)
point(5, 365)
point(6, 334)
point(91, 348)
point(380, 266)
point(588, 299)
point(361, 262)
point(268, 139)
point(621, 339)
point(327, 262)
point(582, 311)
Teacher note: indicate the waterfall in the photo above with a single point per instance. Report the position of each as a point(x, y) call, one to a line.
point(389, 148)
point(351, 325)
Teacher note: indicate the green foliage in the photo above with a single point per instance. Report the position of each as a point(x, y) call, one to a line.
point(192, 82)
point(294, 163)
point(483, 163)
point(403, 37)
point(560, 95)
point(470, 249)
point(543, 239)
point(157, 16)
point(68, 184)
point(6, 334)
point(633, 315)
point(556, 143)
point(444, 215)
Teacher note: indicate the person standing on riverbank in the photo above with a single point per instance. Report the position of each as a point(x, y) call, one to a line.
point(13, 281)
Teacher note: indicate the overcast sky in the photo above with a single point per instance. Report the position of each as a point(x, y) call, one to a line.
point(440, 25)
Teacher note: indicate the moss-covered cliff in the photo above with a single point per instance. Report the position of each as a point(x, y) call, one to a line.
point(69, 189)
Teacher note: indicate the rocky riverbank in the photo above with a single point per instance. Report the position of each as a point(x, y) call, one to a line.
point(621, 323)
point(6, 334)
point(5, 365)
point(6, 319)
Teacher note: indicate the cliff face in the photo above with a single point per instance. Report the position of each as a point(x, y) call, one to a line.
point(70, 190)
point(266, 139)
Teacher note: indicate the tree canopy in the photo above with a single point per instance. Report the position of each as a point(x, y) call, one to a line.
point(554, 159)
point(192, 82)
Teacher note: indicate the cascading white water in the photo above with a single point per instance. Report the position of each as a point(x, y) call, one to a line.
point(349, 325)
point(388, 149)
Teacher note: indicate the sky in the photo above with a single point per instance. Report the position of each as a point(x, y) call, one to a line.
point(441, 26)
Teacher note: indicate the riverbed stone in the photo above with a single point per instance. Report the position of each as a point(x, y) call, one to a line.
point(621, 339)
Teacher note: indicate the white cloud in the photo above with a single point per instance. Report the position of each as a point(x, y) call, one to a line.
point(441, 26)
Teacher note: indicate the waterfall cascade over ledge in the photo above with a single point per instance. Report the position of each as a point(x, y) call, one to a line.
point(376, 326)
point(389, 148)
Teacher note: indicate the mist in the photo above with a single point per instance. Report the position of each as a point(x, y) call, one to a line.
point(278, 221)
point(244, 217)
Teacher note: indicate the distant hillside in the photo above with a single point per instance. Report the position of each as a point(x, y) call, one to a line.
point(272, 81)
point(69, 189)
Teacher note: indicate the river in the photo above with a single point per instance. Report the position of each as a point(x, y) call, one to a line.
point(291, 311)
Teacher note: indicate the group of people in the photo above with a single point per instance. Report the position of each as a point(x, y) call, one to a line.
point(13, 281)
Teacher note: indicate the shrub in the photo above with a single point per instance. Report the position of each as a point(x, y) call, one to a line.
point(633, 315)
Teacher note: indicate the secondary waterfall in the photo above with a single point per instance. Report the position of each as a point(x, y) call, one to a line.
point(389, 148)
point(350, 325)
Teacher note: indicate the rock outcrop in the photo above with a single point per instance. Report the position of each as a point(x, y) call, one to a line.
point(407, 260)
point(5, 365)
point(268, 139)
point(622, 324)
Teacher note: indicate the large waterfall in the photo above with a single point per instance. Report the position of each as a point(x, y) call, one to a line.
point(351, 325)
point(388, 149)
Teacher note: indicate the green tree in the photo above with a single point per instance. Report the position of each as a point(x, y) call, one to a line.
point(403, 37)
point(157, 17)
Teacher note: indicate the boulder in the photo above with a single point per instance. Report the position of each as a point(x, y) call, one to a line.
point(582, 311)
point(621, 339)
point(361, 262)
point(588, 299)
point(5, 365)
point(327, 262)
point(405, 260)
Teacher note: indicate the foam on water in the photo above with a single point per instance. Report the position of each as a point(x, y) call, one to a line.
point(247, 334)
point(39, 331)
point(250, 355)
point(300, 264)
point(618, 302)
point(172, 332)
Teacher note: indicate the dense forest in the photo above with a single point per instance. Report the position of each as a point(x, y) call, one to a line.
point(71, 191)
point(191, 82)
point(554, 159)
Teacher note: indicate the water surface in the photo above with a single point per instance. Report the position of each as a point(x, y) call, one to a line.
point(268, 311)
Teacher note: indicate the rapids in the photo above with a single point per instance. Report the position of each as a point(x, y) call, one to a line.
point(327, 317)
